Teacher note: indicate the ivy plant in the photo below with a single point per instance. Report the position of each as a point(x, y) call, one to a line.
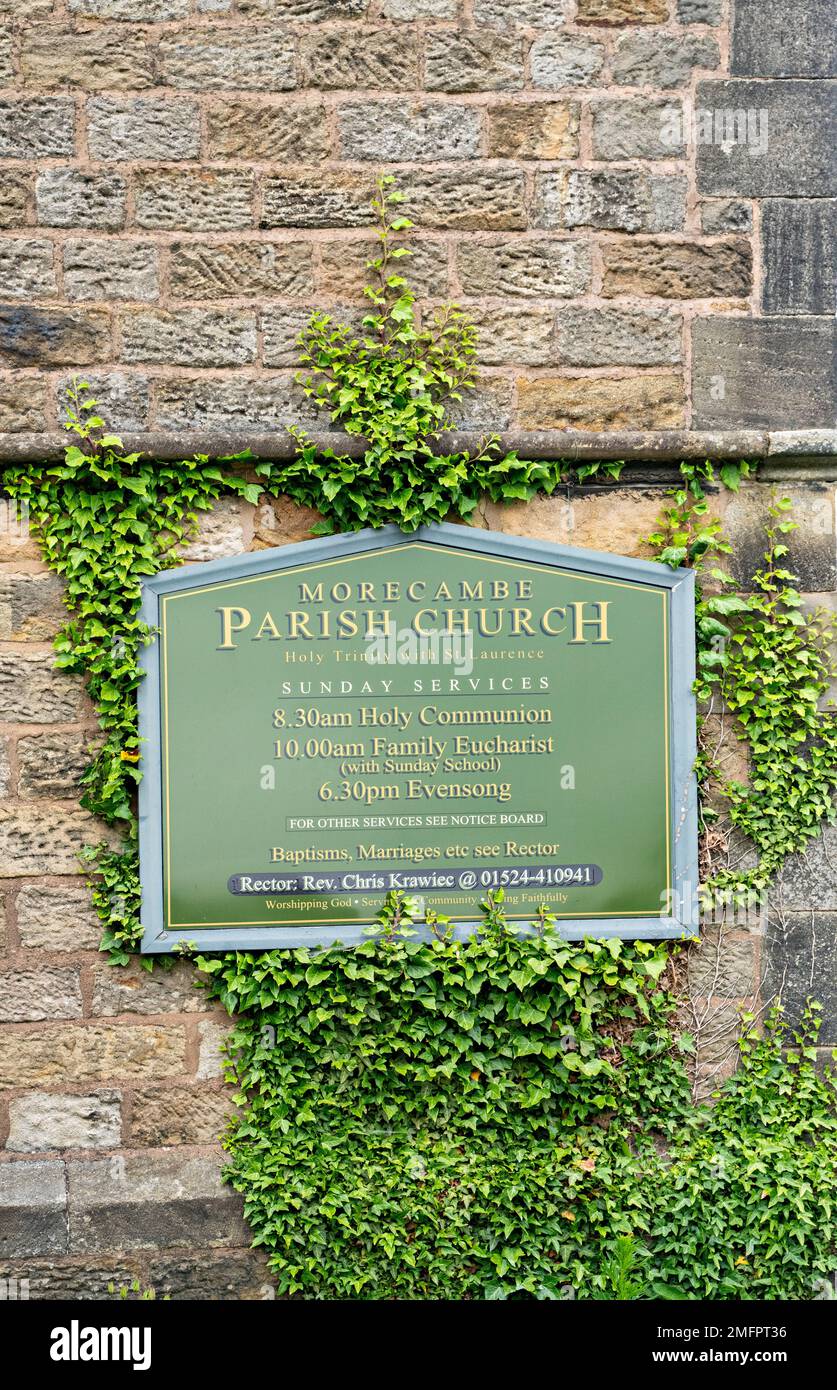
point(507, 1117)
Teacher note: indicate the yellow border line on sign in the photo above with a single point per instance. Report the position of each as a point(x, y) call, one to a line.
point(418, 545)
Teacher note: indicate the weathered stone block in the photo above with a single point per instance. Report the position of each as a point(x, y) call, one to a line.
point(763, 373)
point(622, 11)
point(764, 44)
point(232, 1274)
point(812, 552)
point(622, 200)
point(343, 271)
point(662, 60)
point(279, 521)
point(142, 128)
point(801, 964)
point(266, 270)
point(228, 59)
point(652, 402)
point(33, 692)
point(122, 396)
point(33, 1209)
point(16, 195)
point(618, 337)
point(53, 337)
point(533, 130)
point(416, 9)
point(60, 1279)
point(489, 200)
point(565, 60)
point(269, 132)
point(73, 198)
point(585, 518)
point(768, 139)
point(97, 59)
point(31, 607)
point(106, 270)
point(184, 201)
point(225, 530)
point(5, 783)
point(679, 269)
point(799, 256)
point(524, 268)
point(311, 198)
point(26, 269)
point(395, 131)
point(178, 1116)
point(488, 408)
point(807, 881)
point(474, 60)
point(699, 11)
point(213, 1035)
point(22, 406)
point(92, 1053)
point(37, 839)
point(723, 966)
point(247, 403)
point(27, 9)
point(189, 337)
point(357, 58)
point(30, 996)
point(637, 128)
point(52, 764)
point(7, 70)
point(721, 215)
point(281, 328)
point(515, 334)
point(149, 1201)
point(131, 990)
point(57, 918)
point(136, 11)
point(37, 128)
point(308, 10)
point(528, 14)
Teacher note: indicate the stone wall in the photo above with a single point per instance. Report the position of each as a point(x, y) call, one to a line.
point(110, 1092)
point(182, 180)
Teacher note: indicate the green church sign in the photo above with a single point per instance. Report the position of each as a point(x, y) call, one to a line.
point(447, 713)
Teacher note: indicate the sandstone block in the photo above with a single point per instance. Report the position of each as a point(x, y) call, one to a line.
point(476, 60)
point(273, 133)
point(53, 764)
point(26, 269)
point(142, 128)
point(394, 131)
point(189, 337)
point(618, 337)
point(524, 268)
point(228, 59)
point(651, 402)
point(97, 59)
point(73, 198)
point(267, 270)
point(565, 60)
point(37, 128)
point(53, 337)
point(357, 58)
point(33, 692)
point(107, 270)
point(57, 918)
point(533, 130)
point(184, 201)
point(31, 607)
point(679, 270)
point(91, 1053)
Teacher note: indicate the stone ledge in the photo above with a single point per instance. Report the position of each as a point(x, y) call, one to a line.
point(656, 446)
